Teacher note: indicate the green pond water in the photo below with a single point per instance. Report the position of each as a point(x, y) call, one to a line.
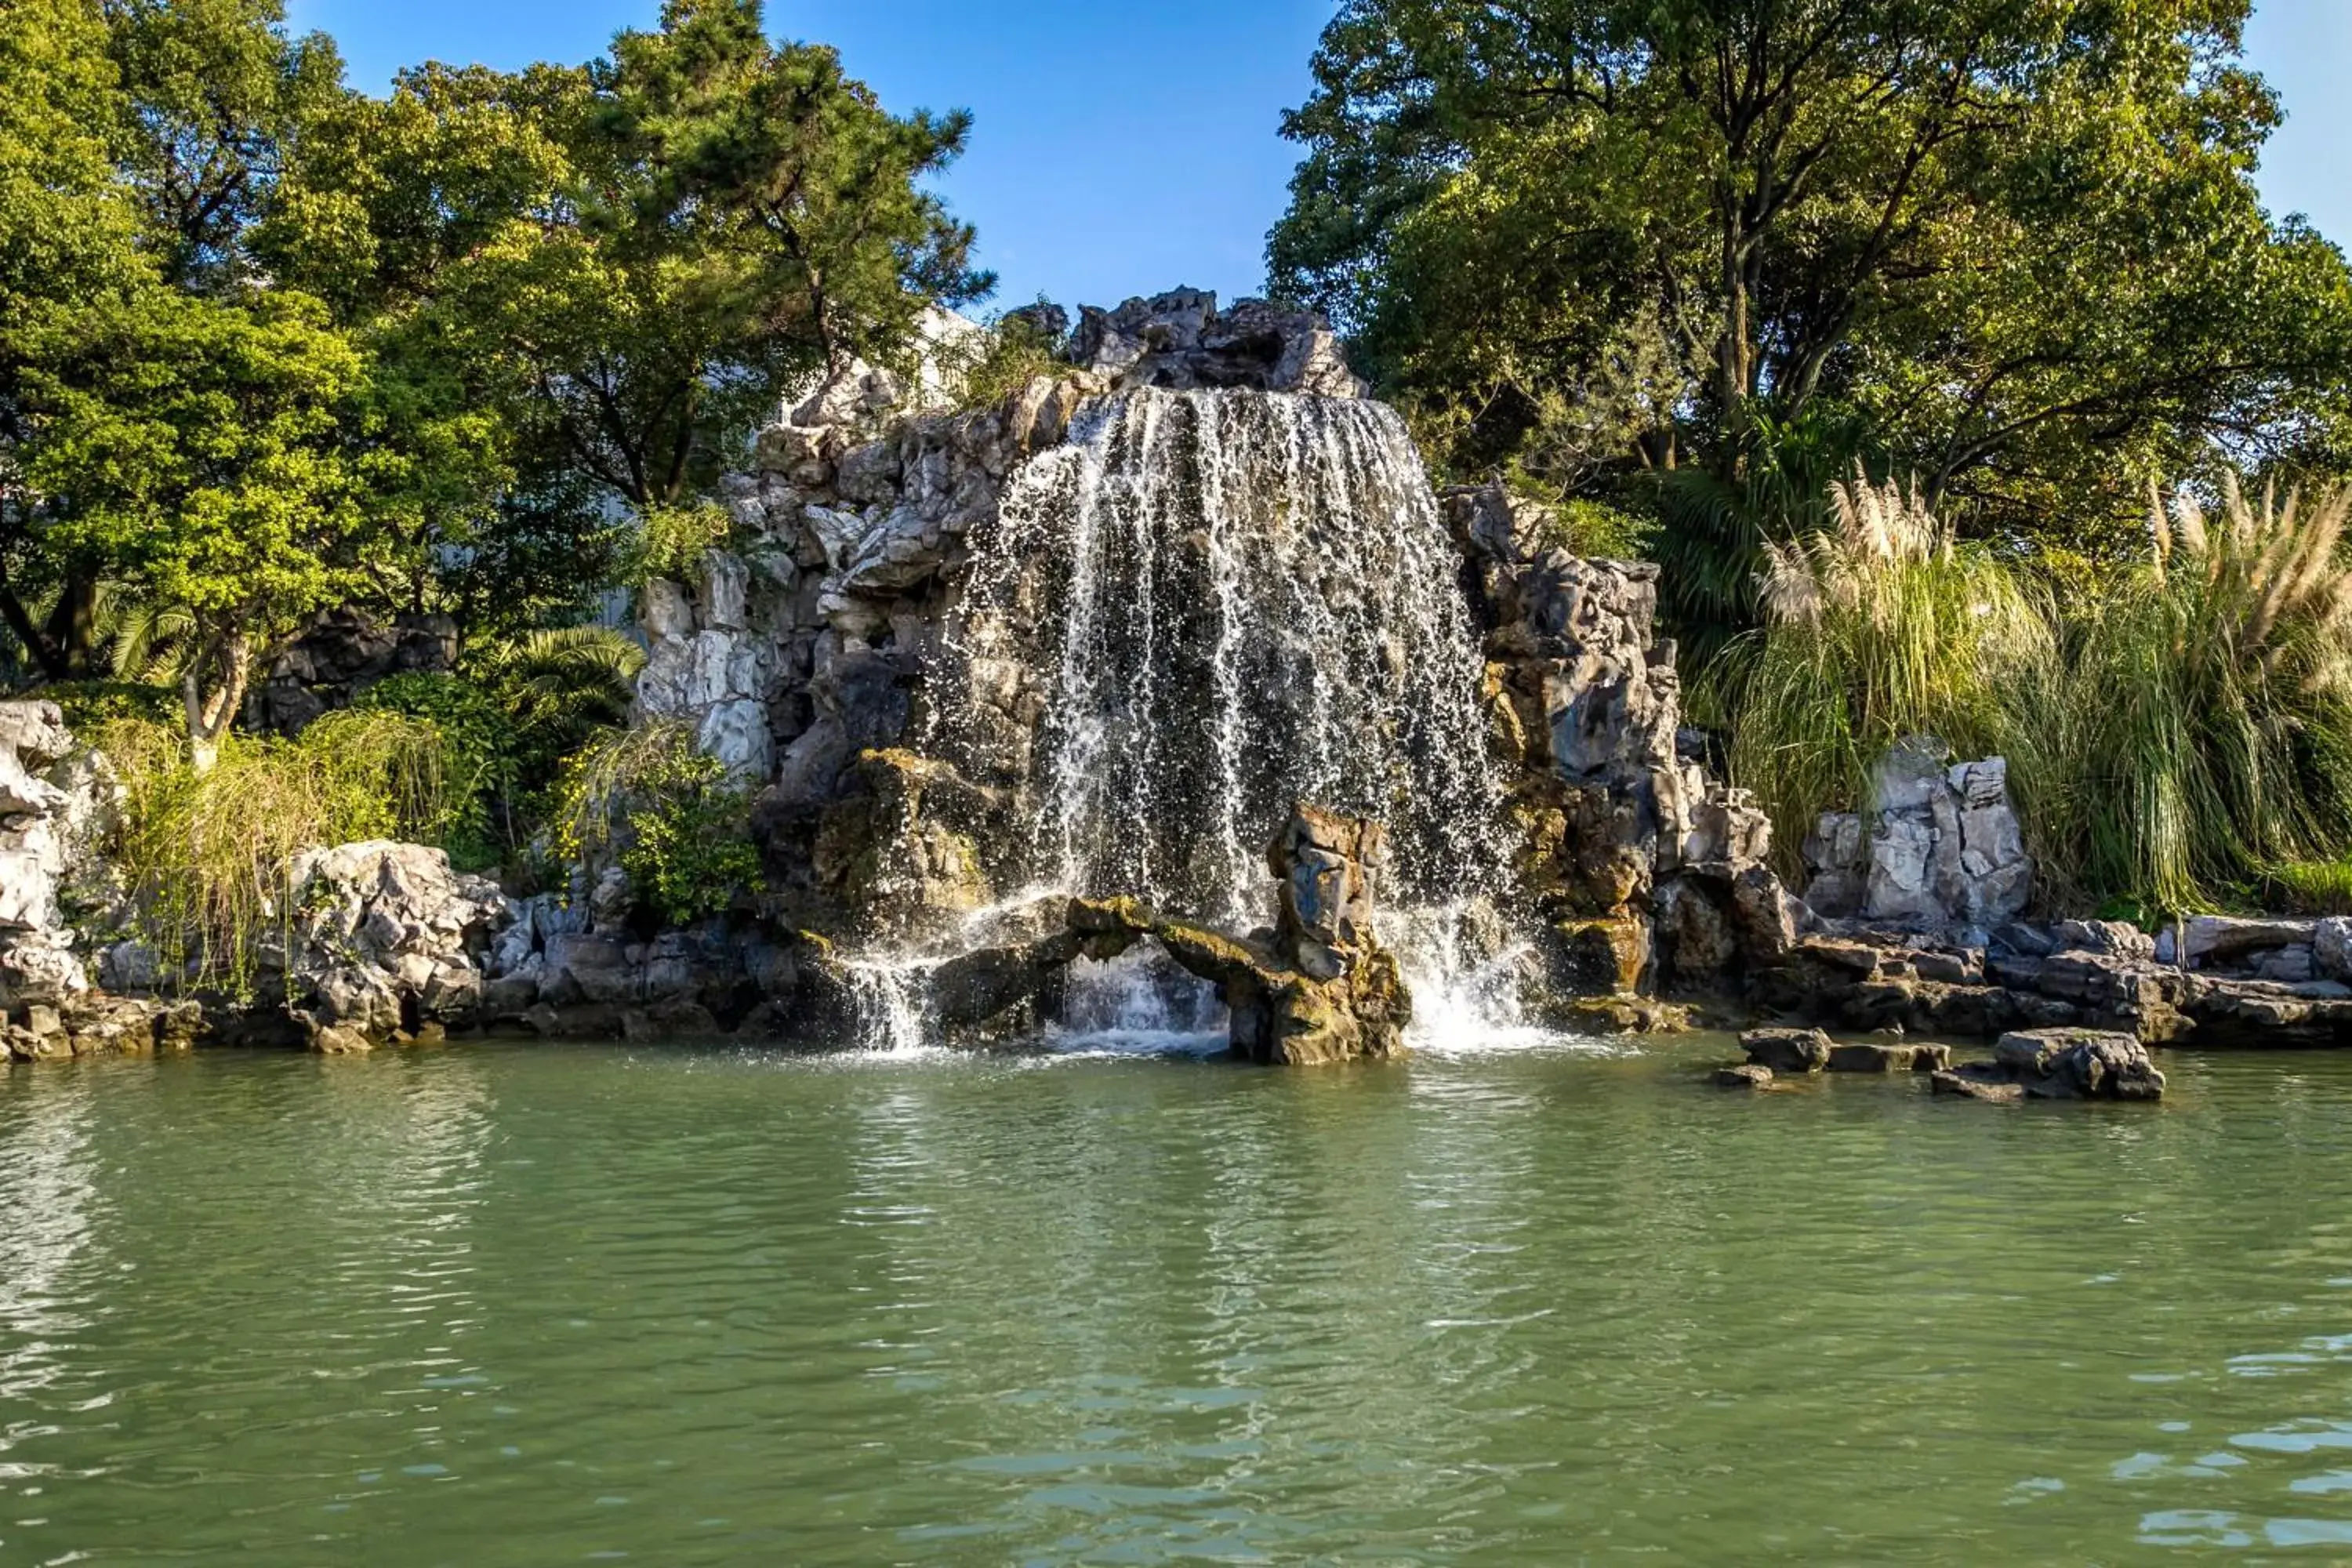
point(512, 1306)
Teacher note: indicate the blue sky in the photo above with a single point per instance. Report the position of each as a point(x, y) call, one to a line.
point(1127, 146)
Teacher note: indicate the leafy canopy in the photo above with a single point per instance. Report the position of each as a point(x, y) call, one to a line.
point(2013, 245)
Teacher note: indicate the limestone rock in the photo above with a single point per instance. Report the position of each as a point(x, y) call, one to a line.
point(2220, 941)
point(1181, 341)
point(2080, 1064)
point(1789, 1050)
point(386, 938)
point(2332, 948)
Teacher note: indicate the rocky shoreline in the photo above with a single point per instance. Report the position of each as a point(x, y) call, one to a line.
point(836, 659)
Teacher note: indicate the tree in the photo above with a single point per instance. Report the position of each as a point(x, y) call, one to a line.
point(636, 258)
point(67, 236)
point(199, 448)
point(2014, 245)
point(218, 94)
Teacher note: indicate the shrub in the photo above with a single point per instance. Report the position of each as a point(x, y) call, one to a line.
point(1885, 627)
point(997, 361)
point(478, 737)
point(207, 857)
point(672, 539)
point(670, 816)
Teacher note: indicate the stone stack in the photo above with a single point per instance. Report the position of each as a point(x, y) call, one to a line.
point(57, 799)
point(385, 942)
point(1941, 847)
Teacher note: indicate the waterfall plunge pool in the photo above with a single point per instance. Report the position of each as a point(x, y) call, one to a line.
point(502, 1306)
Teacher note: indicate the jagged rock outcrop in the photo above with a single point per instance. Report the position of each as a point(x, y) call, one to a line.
point(56, 798)
point(804, 646)
point(1180, 341)
point(1645, 870)
point(2076, 974)
point(384, 943)
point(1318, 989)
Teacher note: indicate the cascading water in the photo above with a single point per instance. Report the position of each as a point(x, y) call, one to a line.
point(1206, 608)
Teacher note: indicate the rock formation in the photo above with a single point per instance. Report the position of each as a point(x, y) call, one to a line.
point(1644, 870)
point(1315, 989)
point(1941, 847)
point(342, 655)
point(1181, 341)
point(57, 799)
point(384, 941)
point(2058, 1064)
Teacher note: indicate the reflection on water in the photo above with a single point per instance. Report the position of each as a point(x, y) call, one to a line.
point(508, 1307)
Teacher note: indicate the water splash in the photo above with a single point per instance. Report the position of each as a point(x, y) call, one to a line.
point(891, 1002)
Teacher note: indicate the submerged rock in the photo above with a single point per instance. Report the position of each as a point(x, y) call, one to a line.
point(1987, 1084)
point(1874, 1056)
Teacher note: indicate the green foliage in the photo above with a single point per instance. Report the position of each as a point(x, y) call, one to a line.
point(557, 688)
point(2315, 888)
point(207, 855)
point(1885, 629)
point(509, 723)
point(479, 761)
point(2178, 735)
point(2200, 734)
point(673, 539)
point(268, 345)
point(678, 824)
point(2018, 241)
point(693, 849)
point(90, 705)
point(998, 362)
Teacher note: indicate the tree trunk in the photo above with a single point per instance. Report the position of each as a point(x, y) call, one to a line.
point(72, 630)
point(210, 715)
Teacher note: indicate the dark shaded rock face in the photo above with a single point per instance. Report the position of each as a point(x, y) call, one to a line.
point(342, 653)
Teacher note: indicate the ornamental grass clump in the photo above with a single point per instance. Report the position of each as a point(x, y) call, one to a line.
point(1881, 627)
point(207, 857)
point(2200, 736)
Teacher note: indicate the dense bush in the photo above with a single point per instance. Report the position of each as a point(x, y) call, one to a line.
point(1884, 628)
point(2200, 737)
point(649, 801)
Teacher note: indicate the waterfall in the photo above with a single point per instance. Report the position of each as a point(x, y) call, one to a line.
point(1205, 607)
